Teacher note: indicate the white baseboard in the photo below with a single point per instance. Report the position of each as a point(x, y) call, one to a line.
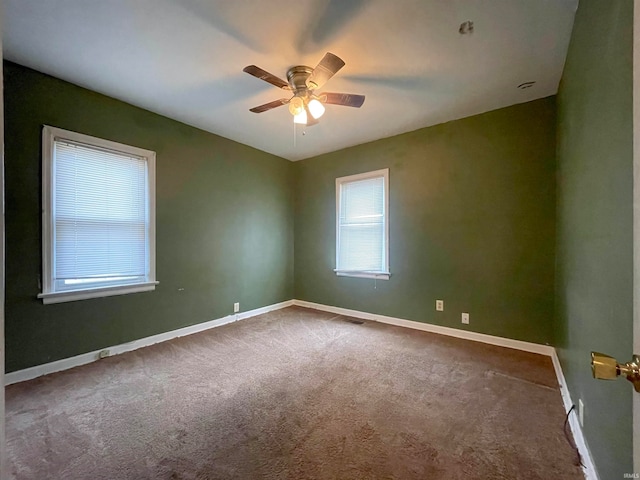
point(66, 363)
point(427, 327)
point(589, 468)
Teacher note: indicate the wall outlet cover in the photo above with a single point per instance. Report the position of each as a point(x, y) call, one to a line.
point(440, 305)
point(465, 318)
point(236, 307)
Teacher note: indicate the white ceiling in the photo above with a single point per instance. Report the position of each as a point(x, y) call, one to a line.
point(184, 59)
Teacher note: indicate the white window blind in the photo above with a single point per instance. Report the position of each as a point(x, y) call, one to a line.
point(362, 224)
point(100, 216)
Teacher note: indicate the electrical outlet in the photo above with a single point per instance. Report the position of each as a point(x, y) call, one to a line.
point(581, 412)
point(236, 307)
point(440, 305)
point(465, 318)
point(103, 354)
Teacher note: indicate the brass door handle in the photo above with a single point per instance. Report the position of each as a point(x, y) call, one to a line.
point(605, 367)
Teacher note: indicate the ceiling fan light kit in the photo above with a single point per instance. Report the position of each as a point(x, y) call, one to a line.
point(305, 106)
point(296, 106)
point(300, 118)
point(316, 108)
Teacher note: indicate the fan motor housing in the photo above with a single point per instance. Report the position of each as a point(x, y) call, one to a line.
point(297, 77)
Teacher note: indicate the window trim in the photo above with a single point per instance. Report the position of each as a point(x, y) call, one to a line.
point(48, 294)
point(381, 275)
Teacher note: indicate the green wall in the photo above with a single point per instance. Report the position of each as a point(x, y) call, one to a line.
point(472, 222)
point(595, 223)
point(224, 224)
point(498, 214)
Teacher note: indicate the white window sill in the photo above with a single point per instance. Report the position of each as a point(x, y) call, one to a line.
point(73, 295)
point(376, 275)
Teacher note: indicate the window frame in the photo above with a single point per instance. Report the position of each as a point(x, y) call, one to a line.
point(383, 274)
point(49, 294)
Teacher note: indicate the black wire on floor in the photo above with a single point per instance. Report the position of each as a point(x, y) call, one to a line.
point(578, 461)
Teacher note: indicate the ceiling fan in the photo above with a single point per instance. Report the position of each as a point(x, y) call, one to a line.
point(305, 106)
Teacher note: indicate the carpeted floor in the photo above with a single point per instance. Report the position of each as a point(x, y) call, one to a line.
point(295, 394)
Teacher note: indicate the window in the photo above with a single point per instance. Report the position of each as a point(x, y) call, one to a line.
point(362, 225)
point(98, 220)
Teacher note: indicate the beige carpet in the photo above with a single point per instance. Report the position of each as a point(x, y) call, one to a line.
point(295, 394)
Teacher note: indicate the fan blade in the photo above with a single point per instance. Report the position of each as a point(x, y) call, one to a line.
point(310, 120)
point(269, 106)
point(266, 76)
point(326, 69)
point(346, 99)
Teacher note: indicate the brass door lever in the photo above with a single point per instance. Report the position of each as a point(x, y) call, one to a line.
point(605, 367)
